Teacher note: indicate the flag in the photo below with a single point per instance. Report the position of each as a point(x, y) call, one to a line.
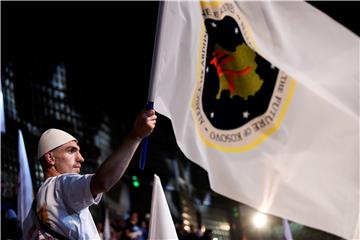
point(265, 97)
point(287, 230)
point(25, 190)
point(161, 224)
point(107, 231)
point(2, 112)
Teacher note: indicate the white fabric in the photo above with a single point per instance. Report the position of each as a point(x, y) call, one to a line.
point(2, 112)
point(51, 139)
point(25, 190)
point(161, 224)
point(64, 201)
point(307, 169)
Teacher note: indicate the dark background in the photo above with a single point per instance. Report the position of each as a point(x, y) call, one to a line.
point(107, 45)
point(107, 49)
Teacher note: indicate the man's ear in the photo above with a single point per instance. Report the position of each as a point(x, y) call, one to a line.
point(49, 158)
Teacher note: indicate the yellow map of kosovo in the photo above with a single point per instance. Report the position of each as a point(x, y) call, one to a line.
point(236, 71)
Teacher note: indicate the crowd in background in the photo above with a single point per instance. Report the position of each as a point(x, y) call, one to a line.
point(134, 228)
point(129, 229)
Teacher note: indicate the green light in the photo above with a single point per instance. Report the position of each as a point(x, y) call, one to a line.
point(136, 184)
point(135, 181)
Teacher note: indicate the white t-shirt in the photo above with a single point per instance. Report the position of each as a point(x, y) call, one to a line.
point(63, 202)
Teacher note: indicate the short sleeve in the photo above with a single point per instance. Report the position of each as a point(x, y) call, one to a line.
point(75, 191)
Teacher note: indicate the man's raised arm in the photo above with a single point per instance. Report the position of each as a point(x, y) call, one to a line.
point(114, 167)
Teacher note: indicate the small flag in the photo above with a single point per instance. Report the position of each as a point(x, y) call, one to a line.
point(25, 190)
point(2, 112)
point(161, 223)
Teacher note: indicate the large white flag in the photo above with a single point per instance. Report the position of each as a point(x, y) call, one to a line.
point(161, 224)
point(25, 190)
point(265, 97)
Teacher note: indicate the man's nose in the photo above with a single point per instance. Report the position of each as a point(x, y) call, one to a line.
point(80, 157)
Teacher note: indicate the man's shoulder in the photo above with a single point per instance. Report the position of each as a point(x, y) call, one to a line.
point(65, 187)
point(62, 178)
point(71, 176)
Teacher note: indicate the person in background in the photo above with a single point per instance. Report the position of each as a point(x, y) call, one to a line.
point(132, 229)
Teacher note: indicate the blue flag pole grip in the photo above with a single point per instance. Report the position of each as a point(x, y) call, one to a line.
point(149, 105)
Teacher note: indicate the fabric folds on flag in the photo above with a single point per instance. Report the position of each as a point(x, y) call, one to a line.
point(25, 190)
point(161, 224)
point(265, 97)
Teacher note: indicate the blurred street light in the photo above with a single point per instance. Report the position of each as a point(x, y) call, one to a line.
point(259, 220)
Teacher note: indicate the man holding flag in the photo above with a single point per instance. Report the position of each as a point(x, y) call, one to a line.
point(60, 208)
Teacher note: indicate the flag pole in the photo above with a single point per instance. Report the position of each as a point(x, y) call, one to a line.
point(150, 101)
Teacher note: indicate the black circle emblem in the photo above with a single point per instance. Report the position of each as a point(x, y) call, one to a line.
point(238, 83)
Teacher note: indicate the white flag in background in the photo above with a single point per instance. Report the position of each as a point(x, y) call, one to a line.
point(25, 190)
point(161, 224)
point(2, 112)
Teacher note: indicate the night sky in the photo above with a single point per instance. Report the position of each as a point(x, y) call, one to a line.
point(105, 46)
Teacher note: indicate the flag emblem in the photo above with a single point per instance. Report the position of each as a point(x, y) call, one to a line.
point(240, 97)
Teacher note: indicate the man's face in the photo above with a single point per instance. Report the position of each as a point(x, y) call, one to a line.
point(68, 158)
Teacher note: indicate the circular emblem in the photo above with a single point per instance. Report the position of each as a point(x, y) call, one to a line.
point(240, 98)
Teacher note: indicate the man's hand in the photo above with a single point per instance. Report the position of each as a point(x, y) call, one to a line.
point(144, 124)
point(114, 167)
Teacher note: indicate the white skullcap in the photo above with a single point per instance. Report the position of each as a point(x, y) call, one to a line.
point(51, 139)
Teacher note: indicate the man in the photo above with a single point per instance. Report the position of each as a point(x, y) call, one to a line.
point(63, 199)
